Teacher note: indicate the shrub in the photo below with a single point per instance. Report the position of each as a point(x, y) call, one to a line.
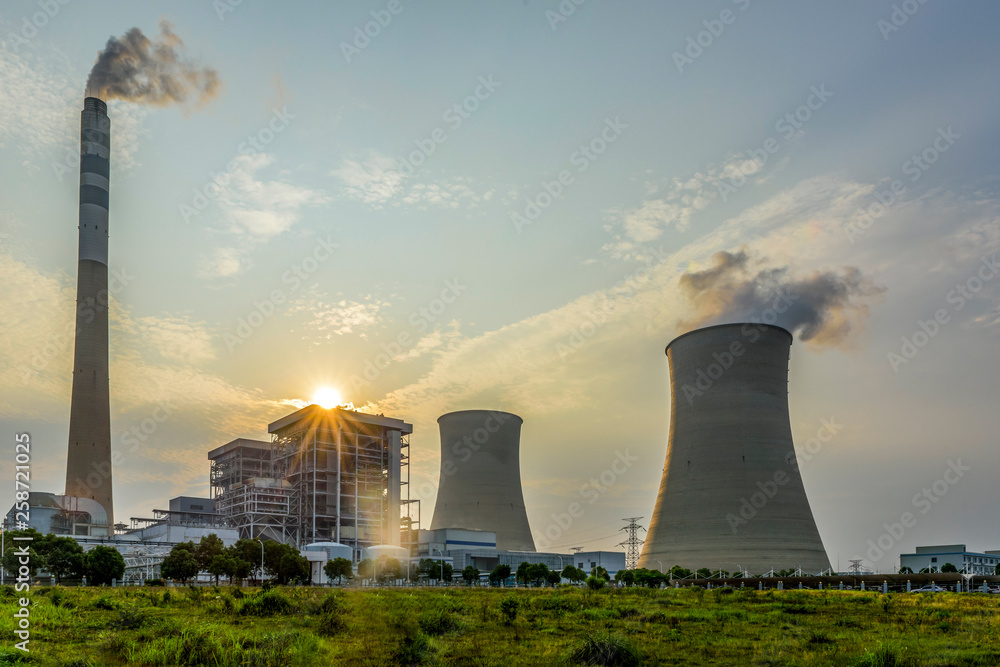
point(595, 583)
point(128, 619)
point(154, 582)
point(57, 597)
point(104, 602)
point(331, 603)
point(268, 603)
point(606, 648)
point(508, 609)
point(414, 650)
point(884, 655)
point(437, 622)
point(331, 624)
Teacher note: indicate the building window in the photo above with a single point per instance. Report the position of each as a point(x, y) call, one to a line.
point(933, 560)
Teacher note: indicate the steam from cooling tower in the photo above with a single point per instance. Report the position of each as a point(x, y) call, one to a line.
point(154, 72)
point(824, 308)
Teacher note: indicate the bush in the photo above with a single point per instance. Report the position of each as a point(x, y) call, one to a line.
point(414, 650)
point(437, 622)
point(331, 624)
point(104, 602)
point(606, 648)
point(508, 609)
point(268, 603)
point(884, 655)
point(154, 582)
point(595, 583)
point(128, 619)
point(57, 597)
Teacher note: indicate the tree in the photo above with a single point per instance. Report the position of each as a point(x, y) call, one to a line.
point(500, 574)
point(538, 573)
point(595, 583)
point(249, 552)
point(366, 568)
point(704, 573)
point(223, 565)
point(600, 572)
point(948, 567)
point(553, 578)
point(208, 548)
point(470, 574)
point(387, 567)
point(648, 578)
point(12, 555)
point(434, 570)
point(574, 574)
point(906, 570)
point(103, 565)
point(339, 568)
point(522, 572)
point(181, 563)
point(996, 570)
point(626, 577)
point(63, 556)
point(678, 572)
point(293, 568)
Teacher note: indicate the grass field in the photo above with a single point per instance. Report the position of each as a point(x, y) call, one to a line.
point(458, 626)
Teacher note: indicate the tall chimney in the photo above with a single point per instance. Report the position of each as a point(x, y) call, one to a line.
point(88, 465)
point(731, 494)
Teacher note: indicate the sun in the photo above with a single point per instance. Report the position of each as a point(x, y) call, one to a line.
point(327, 397)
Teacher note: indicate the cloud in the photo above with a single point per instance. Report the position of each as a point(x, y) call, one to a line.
point(329, 319)
point(263, 209)
point(41, 121)
point(377, 181)
point(253, 211)
point(672, 204)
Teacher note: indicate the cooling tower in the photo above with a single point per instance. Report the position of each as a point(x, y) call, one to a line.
point(731, 495)
point(88, 465)
point(480, 484)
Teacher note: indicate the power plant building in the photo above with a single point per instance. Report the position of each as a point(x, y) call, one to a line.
point(731, 495)
point(328, 475)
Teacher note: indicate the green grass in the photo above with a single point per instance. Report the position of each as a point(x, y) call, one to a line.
point(222, 627)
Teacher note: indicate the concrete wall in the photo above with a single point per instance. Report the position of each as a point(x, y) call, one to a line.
point(731, 494)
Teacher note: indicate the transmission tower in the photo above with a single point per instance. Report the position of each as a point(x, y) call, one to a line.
point(633, 542)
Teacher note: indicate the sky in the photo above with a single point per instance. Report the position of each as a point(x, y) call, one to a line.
point(493, 206)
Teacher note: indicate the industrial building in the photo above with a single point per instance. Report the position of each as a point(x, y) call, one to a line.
point(731, 495)
point(328, 475)
point(970, 562)
point(478, 548)
point(480, 480)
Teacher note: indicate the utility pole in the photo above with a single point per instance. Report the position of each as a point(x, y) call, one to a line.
point(633, 542)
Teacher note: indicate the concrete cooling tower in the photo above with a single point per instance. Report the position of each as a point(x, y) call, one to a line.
point(480, 484)
point(731, 495)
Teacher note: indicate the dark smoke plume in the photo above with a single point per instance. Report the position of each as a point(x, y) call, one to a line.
point(138, 69)
point(824, 308)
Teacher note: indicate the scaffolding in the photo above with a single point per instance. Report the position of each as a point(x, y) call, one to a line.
point(327, 475)
point(338, 476)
